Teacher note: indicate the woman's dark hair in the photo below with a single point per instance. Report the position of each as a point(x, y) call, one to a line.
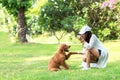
point(88, 36)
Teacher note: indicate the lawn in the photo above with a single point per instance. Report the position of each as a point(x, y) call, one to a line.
point(29, 62)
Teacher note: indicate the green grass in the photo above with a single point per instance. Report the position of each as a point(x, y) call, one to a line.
point(29, 62)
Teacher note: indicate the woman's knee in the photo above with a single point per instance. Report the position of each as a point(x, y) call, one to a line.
point(88, 51)
point(84, 59)
point(95, 52)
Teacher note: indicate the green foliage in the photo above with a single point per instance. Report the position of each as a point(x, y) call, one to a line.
point(65, 15)
point(72, 15)
point(7, 21)
point(68, 23)
point(101, 19)
point(32, 18)
point(13, 5)
point(78, 24)
point(56, 16)
point(53, 13)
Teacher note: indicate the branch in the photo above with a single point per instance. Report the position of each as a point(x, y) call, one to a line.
point(58, 38)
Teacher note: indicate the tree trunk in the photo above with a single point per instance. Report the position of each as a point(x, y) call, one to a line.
point(22, 27)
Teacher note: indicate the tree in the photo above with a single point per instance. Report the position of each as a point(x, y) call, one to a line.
point(71, 15)
point(65, 15)
point(103, 18)
point(52, 15)
point(18, 9)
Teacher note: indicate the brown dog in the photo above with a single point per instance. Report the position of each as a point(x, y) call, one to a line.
point(59, 58)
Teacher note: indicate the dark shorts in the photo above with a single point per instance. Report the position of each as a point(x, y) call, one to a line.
point(99, 53)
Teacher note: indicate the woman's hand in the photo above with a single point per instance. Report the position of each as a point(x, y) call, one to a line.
point(81, 39)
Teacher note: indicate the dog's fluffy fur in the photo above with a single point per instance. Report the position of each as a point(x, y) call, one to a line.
point(59, 58)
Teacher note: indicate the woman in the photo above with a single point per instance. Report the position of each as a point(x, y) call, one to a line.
point(95, 54)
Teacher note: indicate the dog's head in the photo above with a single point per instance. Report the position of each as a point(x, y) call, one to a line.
point(64, 47)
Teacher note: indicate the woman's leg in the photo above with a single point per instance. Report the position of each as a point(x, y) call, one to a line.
point(84, 59)
point(90, 52)
point(93, 59)
point(95, 53)
point(88, 58)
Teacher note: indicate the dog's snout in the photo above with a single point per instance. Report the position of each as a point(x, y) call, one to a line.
point(69, 46)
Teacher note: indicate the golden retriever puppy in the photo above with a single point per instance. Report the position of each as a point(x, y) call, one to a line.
point(59, 58)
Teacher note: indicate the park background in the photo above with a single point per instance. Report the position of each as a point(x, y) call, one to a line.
point(30, 32)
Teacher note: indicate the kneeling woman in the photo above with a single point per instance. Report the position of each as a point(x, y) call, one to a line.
point(95, 54)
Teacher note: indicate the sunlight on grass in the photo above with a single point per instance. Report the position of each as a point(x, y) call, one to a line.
point(113, 48)
point(37, 58)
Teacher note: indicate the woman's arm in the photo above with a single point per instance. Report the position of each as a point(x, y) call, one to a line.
point(71, 53)
point(75, 53)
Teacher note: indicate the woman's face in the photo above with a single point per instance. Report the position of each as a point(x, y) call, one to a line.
point(83, 36)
